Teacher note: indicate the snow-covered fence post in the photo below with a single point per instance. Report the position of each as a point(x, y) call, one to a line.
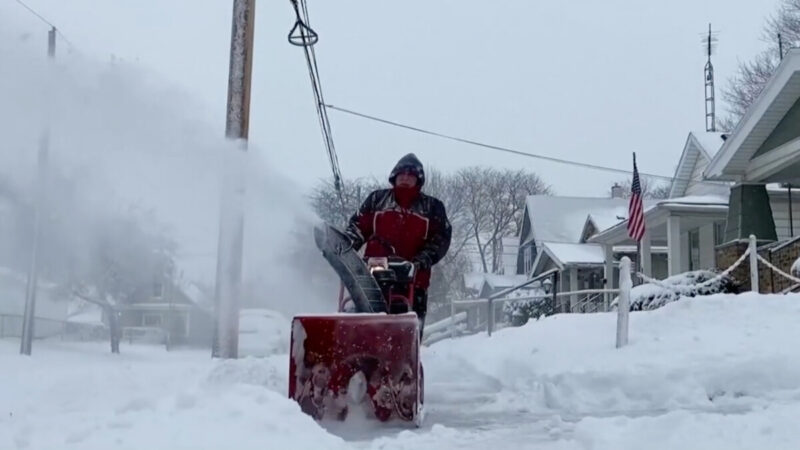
point(753, 249)
point(624, 304)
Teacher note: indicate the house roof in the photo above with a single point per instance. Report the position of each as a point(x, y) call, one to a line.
point(780, 93)
point(504, 281)
point(699, 147)
point(570, 254)
point(564, 255)
point(562, 219)
point(701, 206)
point(474, 280)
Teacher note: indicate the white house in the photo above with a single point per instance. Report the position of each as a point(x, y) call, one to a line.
point(556, 234)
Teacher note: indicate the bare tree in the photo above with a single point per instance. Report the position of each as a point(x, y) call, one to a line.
point(329, 207)
point(751, 76)
point(495, 200)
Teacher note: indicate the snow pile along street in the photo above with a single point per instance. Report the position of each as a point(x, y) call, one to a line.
point(719, 372)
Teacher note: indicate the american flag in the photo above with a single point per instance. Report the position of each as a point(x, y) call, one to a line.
point(635, 208)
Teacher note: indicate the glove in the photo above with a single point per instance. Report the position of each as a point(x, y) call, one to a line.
point(422, 262)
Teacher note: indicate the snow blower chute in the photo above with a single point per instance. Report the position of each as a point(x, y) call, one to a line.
point(366, 356)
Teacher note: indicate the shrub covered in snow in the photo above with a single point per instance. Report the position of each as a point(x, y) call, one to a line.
point(651, 296)
point(518, 312)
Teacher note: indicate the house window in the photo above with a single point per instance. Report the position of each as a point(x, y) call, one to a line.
point(719, 233)
point(528, 259)
point(158, 289)
point(151, 320)
point(694, 249)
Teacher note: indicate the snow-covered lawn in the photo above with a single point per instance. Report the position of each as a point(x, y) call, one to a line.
point(720, 372)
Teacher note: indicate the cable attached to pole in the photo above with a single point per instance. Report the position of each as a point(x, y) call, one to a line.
point(302, 35)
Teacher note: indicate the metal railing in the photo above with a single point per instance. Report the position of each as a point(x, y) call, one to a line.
point(587, 301)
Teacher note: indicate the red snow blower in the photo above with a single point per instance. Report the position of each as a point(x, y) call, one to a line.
point(366, 356)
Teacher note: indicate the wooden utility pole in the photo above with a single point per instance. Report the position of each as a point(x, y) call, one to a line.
point(28, 318)
point(231, 230)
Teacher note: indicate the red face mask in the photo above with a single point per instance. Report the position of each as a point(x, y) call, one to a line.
point(405, 196)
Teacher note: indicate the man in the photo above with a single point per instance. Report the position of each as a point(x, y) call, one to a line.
point(402, 221)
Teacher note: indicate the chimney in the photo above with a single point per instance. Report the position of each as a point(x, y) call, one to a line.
point(617, 191)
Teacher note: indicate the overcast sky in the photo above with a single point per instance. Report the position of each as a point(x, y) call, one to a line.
point(584, 80)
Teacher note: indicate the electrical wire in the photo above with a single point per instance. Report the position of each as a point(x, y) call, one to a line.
point(493, 147)
point(49, 23)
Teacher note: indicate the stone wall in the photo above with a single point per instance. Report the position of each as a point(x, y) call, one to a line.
point(781, 254)
point(727, 254)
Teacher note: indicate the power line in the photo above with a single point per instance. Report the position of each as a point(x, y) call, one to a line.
point(49, 23)
point(494, 147)
point(306, 39)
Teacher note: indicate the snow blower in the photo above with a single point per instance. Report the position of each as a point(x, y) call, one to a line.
point(365, 357)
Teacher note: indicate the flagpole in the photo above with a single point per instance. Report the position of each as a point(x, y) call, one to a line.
point(639, 267)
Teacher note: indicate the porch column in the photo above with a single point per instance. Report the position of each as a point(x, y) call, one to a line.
point(608, 250)
point(707, 246)
point(573, 286)
point(646, 255)
point(674, 256)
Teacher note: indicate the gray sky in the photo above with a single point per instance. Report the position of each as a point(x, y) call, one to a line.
point(585, 80)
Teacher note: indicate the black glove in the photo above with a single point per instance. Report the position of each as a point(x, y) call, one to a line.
point(422, 262)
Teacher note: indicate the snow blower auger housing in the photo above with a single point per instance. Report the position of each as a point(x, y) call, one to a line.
point(366, 356)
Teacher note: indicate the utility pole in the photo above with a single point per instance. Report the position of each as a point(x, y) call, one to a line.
point(231, 230)
point(28, 318)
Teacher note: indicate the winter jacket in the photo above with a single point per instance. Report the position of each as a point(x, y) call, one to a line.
point(418, 231)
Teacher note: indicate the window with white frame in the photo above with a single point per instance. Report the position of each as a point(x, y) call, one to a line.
point(151, 320)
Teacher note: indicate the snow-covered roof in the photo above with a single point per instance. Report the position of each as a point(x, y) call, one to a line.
point(566, 254)
point(90, 315)
point(474, 280)
point(561, 219)
point(504, 281)
point(696, 200)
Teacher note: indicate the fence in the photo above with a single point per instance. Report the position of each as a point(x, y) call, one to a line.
point(597, 300)
point(750, 254)
point(484, 311)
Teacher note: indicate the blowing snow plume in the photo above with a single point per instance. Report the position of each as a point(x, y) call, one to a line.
point(133, 185)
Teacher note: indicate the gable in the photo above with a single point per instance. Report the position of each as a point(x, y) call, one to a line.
point(696, 155)
point(589, 229)
point(780, 94)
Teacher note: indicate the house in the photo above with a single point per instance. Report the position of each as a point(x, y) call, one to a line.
point(556, 234)
point(688, 225)
point(169, 309)
point(728, 186)
point(762, 150)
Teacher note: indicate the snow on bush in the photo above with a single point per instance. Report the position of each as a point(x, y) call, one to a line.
point(650, 296)
point(518, 312)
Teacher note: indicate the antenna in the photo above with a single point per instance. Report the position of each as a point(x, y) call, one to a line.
point(709, 43)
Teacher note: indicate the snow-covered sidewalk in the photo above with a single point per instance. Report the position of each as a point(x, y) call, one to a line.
point(720, 372)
